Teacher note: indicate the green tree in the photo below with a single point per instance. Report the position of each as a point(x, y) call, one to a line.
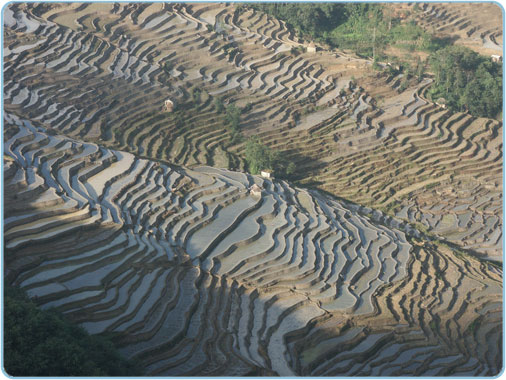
point(218, 104)
point(167, 68)
point(291, 169)
point(43, 343)
point(313, 19)
point(259, 156)
point(196, 94)
point(467, 81)
point(179, 119)
point(233, 117)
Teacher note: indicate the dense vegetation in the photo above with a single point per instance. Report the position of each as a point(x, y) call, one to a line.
point(313, 19)
point(365, 28)
point(42, 343)
point(260, 157)
point(467, 81)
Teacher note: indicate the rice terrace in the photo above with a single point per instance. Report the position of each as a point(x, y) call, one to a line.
point(252, 189)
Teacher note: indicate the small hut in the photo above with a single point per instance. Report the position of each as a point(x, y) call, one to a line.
point(311, 48)
point(168, 105)
point(255, 190)
point(267, 173)
point(441, 102)
point(496, 58)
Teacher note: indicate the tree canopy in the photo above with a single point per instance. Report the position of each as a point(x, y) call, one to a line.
point(306, 18)
point(361, 27)
point(467, 81)
point(260, 157)
point(42, 343)
point(233, 117)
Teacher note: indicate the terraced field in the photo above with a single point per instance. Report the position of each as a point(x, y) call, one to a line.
point(439, 169)
point(141, 223)
point(477, 26)
point(98, 72)
point(188, 268)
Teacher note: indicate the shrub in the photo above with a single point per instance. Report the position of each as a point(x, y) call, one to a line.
point(233, 117)
point(196, 94)
point(247, 107)
point(218, 104)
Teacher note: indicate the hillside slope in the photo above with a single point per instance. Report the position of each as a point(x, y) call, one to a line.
point(100, 73)
point(187, 267)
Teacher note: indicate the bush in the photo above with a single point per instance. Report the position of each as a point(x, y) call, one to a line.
point(218, 104)
point(247, 108)
point(232, 53)
point(236, 137)
point(432, 43)
point(291, 169)
point(179, 120)
point(233, 117)
point(376, 66)
point(196, 94)
point(167, 67)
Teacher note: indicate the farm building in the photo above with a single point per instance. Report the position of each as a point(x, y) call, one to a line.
point(168, 105)
point(441, 102)
point(255, 190)
point(267, 173)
